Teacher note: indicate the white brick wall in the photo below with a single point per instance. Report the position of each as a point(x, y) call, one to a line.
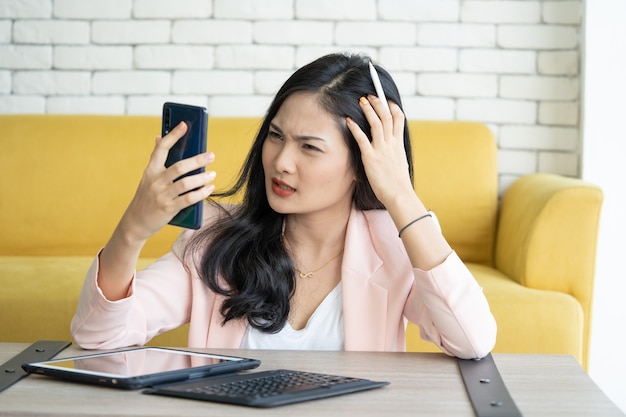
point(539, 138)
point(211, 32)
point(293, 32)
point(501, 11)
point(47, 83)
point(253, 9)
point(419, 59)
point(51, 32)
point(375, 33)
point(419, 10)
point(16, 57)
point(559, 113)
point(5, 31)
point(512, 64)
point(196, 9)
point(336, 10)
point(93, 57)
point(91, 9)
point(25, 9)
point(456, 35)
point(498, 61)
point(537, 37)
point(538, 88)
point(130, 32)
point(131, 82)
point(86, 104)
point(562, 12)
point(497, 111)
point(558, 63)
point(213, 82)
point(457, 85)
point(174, 57)
point(5, 82)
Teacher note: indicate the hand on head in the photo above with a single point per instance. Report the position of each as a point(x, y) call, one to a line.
point(384, 158)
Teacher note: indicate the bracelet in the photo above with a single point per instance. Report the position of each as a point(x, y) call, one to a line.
point(429, 214)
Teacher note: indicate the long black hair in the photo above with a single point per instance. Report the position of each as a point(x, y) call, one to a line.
point(246, 260)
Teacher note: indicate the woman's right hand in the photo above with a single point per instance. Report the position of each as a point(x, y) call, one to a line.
point(157, 200)
point(159, 197)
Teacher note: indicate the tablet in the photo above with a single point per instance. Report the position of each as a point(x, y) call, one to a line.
point(140, 367)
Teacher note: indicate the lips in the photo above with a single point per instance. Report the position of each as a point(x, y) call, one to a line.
point(281, 188)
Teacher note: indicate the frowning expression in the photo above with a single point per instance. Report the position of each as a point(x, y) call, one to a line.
point(306, 160)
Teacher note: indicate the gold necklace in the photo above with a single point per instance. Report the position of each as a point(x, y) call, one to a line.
point(311, 273)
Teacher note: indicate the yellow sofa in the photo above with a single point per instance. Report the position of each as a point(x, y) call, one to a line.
point(67, 179)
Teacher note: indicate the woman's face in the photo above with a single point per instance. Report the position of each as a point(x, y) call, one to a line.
point(306, 160)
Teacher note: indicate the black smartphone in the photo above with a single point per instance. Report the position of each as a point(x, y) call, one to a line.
point(191, 144)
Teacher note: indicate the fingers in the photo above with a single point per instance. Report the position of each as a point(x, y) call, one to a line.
point(156, 166)
point(374, 106)
point(193, 182)
point(373, 115)
point(359, 136)
point(169, 198)
point(382, 122)
point(165, 143)
point(398, 120)
point(193, 196)
point(185, 166)
point(386, 123)
point(190, 188)
point(174, 188)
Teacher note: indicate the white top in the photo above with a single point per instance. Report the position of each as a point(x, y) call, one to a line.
point(323, 331)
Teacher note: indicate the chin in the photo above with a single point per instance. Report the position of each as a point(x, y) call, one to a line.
point(277, 204)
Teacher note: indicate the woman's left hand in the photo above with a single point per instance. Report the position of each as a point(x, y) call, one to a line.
point(384, 158)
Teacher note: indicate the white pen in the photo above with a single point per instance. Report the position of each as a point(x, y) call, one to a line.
point(379, 88)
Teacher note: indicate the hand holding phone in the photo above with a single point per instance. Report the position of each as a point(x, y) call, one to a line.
point(192, 143)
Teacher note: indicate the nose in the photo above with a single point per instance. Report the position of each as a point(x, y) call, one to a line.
point(285, 158)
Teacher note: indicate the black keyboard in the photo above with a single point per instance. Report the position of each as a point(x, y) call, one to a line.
point(267, 389)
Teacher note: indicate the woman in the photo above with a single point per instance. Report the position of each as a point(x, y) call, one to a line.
point(313, 257)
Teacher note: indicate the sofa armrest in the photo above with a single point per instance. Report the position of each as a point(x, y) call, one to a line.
point(547, 233)
point(547, 236)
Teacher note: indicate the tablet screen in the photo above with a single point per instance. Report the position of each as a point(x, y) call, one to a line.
point(137, 362)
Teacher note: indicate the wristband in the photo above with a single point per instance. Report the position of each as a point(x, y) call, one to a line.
point(429, 214)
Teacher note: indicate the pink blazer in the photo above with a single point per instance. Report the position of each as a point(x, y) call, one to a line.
point(381, 291)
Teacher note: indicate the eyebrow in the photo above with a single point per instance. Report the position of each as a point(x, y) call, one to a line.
point(297, 137)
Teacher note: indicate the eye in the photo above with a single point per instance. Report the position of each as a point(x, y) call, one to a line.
point(274, 135)
point(310, 147)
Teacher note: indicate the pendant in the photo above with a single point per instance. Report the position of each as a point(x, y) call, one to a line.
point(305, 274)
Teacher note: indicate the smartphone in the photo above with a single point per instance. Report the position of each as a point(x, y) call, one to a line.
point(191, 144)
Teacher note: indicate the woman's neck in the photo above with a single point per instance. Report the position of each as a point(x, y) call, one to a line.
point(320, 235)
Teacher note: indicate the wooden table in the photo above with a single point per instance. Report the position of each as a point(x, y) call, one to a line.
point(426, 384)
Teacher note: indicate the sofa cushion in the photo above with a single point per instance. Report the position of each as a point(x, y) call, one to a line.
point(50, 285)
